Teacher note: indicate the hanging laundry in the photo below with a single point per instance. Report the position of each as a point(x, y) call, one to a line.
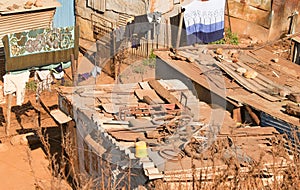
point(44, 80)
point(95, 71)
point(119, 33)
point(155, 17)
point(140, 27)
point(204, 21)
point(16, 83)
point(59, 73)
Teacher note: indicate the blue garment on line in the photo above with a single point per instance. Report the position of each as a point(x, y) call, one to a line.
point(204, 21)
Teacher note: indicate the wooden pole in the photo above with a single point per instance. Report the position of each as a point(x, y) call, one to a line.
point(73, 70)
point(8, 115)
point(229, 23)
point(179, 31)
point(114, 53)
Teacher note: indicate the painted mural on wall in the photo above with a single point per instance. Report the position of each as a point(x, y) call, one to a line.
point(41, 41)
point(40, 47)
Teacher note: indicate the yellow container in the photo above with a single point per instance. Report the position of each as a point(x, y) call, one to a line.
point(141, 149)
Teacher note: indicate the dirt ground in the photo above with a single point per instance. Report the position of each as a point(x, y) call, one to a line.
point(23, 163)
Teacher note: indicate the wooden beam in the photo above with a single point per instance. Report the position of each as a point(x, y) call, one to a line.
point(292, 109)
point(236, 115)
point(73, 70)
point(179, 31)
point(148, 100)
point(253, 115)
point(228, 15)
point(8, 115)
point(164, 93)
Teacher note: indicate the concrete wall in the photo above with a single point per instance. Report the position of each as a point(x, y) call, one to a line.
point(165, 71)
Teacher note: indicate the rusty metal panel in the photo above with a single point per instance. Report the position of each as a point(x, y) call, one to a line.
point(282, 127)
point(260, 4)
point(13, 23)
point(99, 5)
point(65, 105)
point(247, 12)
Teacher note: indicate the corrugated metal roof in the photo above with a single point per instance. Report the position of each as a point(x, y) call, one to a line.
point(16, 6)
point(99, 5)
point(19, 22)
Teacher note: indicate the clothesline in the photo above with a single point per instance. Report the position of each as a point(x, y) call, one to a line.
point(15, 82)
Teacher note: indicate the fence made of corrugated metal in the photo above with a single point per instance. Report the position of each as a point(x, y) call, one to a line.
point(18, 22)
point(291, 131)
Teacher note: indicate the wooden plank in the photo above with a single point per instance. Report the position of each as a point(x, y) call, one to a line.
point(237, 117)
point(148, 100)
point(126, 135)
point(293, 109)
point(144, 85)
point(245, 83)
point(164, 93)
point(111, 108)
point(150, 93)
point(295, 97)
point(262, 79)
point(253, 115)
point(59, 116)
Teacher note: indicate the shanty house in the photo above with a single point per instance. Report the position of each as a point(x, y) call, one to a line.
point(138, 134)
point(18, 16)
point(266, 20)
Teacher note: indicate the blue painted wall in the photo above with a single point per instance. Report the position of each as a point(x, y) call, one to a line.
point(64, 15)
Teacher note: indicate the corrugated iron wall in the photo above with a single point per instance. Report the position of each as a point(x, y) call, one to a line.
point(18, 22)
point(282, 127)
point(99, 5)
point(64, 15)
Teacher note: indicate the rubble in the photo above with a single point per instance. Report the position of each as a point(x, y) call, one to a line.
point(19, 5)
point(250, 74)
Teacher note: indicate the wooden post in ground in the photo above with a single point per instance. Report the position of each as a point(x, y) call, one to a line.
point(228, 16)
point(74, 70)
point(114, 54)
point(8, 115)
point(179, 31)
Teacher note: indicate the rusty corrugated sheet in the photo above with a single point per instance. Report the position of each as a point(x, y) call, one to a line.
point(282, 127)
point(99, 5)
point(251, 11)
point(12, 23)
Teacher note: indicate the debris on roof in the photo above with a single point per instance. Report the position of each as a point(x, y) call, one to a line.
point(19, 5)
point(174, 137)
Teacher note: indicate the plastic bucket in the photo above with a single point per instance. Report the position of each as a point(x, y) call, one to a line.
point(141, 149)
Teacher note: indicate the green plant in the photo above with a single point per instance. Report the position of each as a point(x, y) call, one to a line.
point(229, 38)
point(139, 69)
point(31, 85)
point(150, 61)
